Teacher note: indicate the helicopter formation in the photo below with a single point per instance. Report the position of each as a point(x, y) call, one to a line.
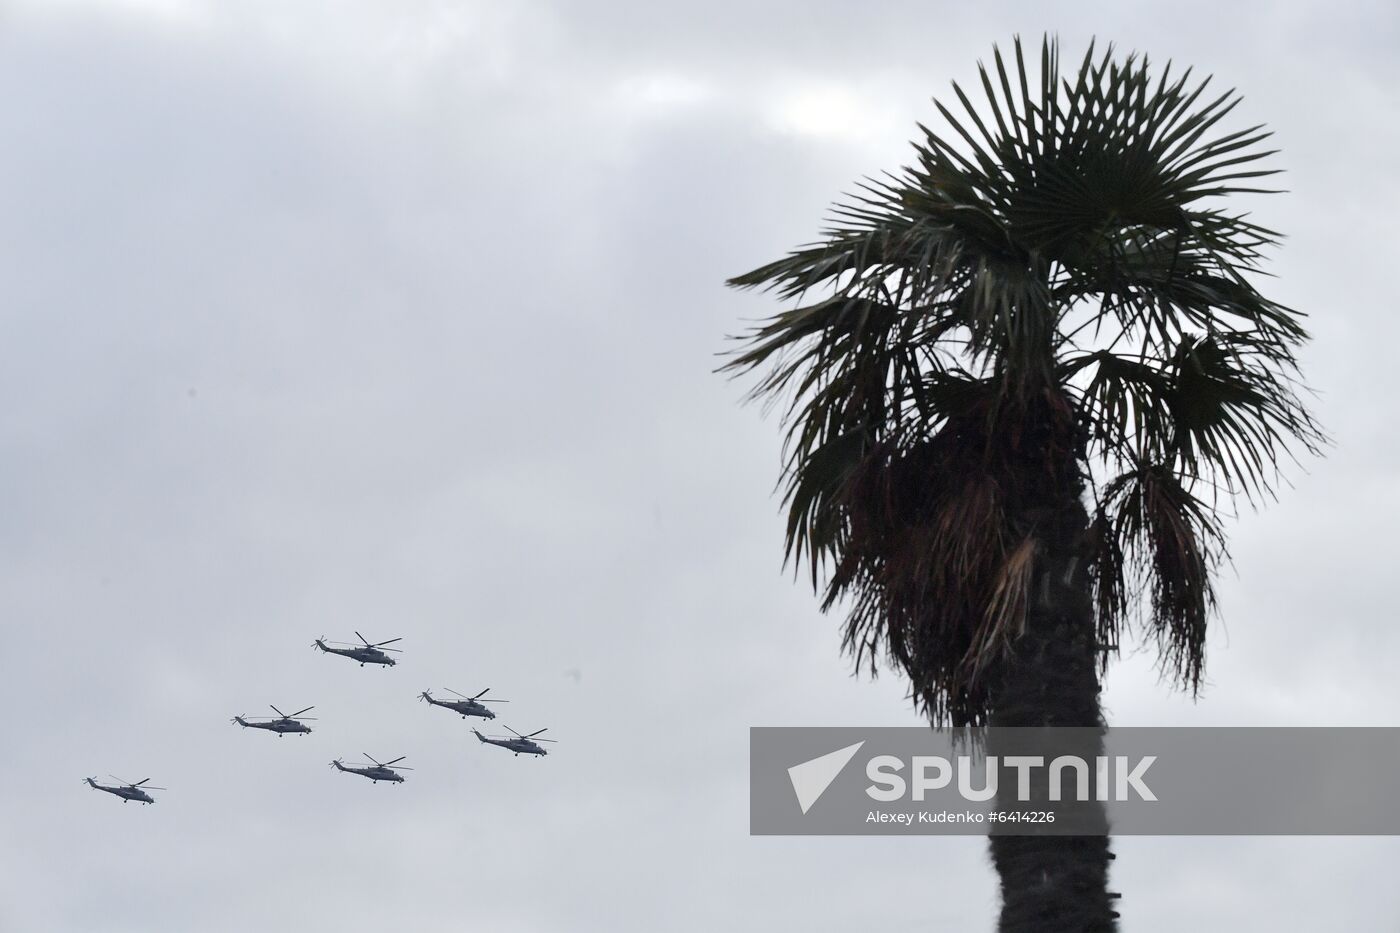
point(366, 652)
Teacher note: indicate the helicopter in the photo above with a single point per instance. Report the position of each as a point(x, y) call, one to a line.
point(281, 725)
point(379, 772)
point(466, 706)
point(365, 654)
point(125, 789)
point(520, 744)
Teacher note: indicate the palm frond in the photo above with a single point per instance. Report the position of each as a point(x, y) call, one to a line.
point(1171, 543)
point(1051, 282)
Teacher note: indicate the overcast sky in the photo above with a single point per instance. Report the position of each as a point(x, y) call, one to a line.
point(319, 317)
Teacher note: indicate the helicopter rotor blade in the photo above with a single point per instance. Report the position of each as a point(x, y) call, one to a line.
point(481, 694)
point(296, 714)
point(383, 643)
point(365, 640)
point(278, 711)
point(533, 734)
point(400, 758)
point(462, 695)
point(140, 782)
point(372, 758)
point(153, 787)
point(512, 730)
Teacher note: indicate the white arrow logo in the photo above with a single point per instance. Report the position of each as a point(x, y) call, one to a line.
point(811, 778)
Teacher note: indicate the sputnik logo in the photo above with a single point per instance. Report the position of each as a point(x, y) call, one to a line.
point(811, 778)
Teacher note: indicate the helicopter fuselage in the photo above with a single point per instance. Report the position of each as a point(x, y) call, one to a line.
point(126, 793)
point(518, 745)
point(376, 774)
point(463, 708)
point(362, 654)
point(280, 726)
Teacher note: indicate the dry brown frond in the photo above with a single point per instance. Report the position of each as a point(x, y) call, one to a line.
point(1005, 618)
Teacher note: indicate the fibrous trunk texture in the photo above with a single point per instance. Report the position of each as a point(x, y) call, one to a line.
point(1054, 884)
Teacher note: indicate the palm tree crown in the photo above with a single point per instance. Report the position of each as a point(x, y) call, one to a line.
point(1048, 306)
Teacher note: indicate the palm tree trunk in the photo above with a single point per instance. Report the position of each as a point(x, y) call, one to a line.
point(1050, 678)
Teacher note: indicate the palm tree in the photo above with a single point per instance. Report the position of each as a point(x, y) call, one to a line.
point(1024, 380)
